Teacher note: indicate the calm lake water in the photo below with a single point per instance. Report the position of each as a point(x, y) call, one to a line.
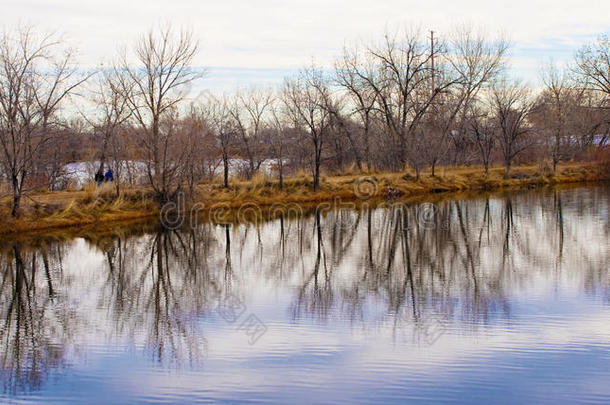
point(499, 299)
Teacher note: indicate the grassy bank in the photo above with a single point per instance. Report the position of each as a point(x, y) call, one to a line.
point(99, 208)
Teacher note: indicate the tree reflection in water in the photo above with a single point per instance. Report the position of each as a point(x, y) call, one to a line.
point(36, 322)
point(161, 292)
point(157, 291)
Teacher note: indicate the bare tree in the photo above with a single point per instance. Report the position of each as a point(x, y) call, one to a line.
point(352, 72)
point(248, 111)
point(554, 112)
point(304, 98)
point(476, 60)
point(590, 119)
point(482, 130)
point(205, 162)
point(112, 113)
point(401, 88)
point(278, 138)
point(216, 113)
point(511, 106)
point(33, 83)
point(154, 89)
point(592, 73)
point(340, 128)
point(593, 65)
point(441, 119)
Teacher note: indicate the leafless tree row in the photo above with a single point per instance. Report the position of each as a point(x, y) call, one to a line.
point(406, 102)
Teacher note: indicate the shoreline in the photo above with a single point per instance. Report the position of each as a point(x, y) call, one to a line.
point(99, 210)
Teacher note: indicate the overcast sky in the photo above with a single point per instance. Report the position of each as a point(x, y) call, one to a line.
point(258, 41)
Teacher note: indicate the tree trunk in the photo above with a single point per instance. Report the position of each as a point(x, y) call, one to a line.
point(317, 156)
point(354, 149)
point(367, 144)
point(251, 172)
point(403, 153)
point(316, 173)
point(338, 155)
point(16, 204)
point(16, 197)
point(225, 162)
point(103, 155)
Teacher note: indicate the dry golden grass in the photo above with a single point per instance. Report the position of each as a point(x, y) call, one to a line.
point(94, 206)
point(68, 209)
point(266, 191)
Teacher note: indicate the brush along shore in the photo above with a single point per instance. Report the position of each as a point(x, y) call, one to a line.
point(101, 206)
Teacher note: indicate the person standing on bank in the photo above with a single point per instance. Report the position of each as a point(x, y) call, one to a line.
point(109, 176)
point(99, 178)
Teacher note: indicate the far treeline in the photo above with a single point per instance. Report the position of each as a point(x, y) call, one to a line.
point(404, 102)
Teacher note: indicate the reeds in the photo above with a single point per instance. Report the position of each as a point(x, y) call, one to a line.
point(86, 207)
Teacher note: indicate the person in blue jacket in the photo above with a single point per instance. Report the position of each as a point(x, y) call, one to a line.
point(109, 176)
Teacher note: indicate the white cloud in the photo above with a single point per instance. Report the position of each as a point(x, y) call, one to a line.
point(286, 34)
